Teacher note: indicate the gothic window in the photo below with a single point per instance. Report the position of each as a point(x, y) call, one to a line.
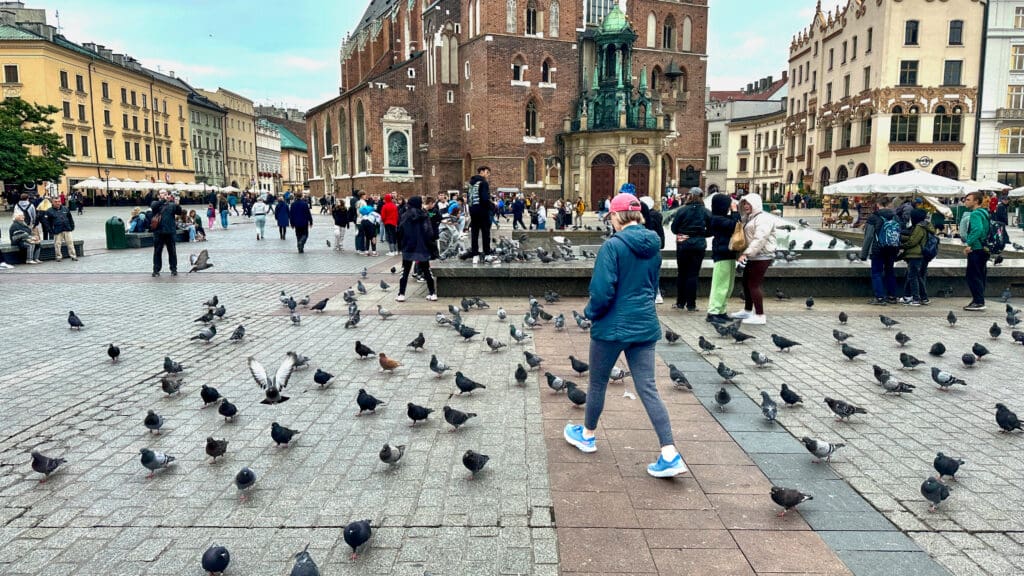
point(342, 142)
point(655, 79)
point(904, 125)
point(598, 9)
point(328, 137)
point(668, 34)
point(518, 68)
point(316, 156)
point(531, 119)
point(472, 18)
point(687, 36)
point(452, 56)
point(947, 124)
point(531, 169)
point(531, 19)
point(554, 16)
point(545, 71)
point(360, 137)
point(510, 17)
point(652, 30)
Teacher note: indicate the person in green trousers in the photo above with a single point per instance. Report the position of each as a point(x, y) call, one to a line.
point(724, 217)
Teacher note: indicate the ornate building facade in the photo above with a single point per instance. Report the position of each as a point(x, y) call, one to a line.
point(1000, 150)
point(431, 90)
point(883, 86)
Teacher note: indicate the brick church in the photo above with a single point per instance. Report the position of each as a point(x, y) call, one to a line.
point(559, 97)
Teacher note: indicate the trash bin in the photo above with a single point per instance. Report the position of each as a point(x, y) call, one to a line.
point(116, 239)
point(1020, 216)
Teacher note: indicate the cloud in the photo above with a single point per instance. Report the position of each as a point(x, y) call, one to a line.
point(303, 63)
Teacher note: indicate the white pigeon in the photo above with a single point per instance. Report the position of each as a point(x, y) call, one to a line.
point(273, 385)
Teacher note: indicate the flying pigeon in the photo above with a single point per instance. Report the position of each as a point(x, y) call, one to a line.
point(678, 378)
point(789, 397)
point(227, 410)
point(417, 413)
point(909, 361)
point(45, 465)
point(902, 339)
point(768, 407)
point(200, 262)
point(843, 410)
point(244, 480)
point(273, 386)
point(722, 398)
point(760, 360)
point(466, 385)
point(74, 322)
point(456, 418)
point(788, 498)
point(1007, 419)
point(356, 534)
point(281, 435)
point(366, 401)
point(886, 321)
point(945, 379)
point(153, 421)
point(216, 448)
point(322, 378)
point(391, 454)
point(850, 352)
point(238, 334)
point(114, 352)
point(947, 466)
point(821, 449)
point(474, 462)
point(216, 559)
point(206, 334)
point(209, 394)
point(437, 367)
point(154, 461)
point(934, 491)
point(727, 373)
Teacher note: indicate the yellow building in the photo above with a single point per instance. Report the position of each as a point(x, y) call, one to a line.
point(757, 144)
point(115, 116)
point(239, 137)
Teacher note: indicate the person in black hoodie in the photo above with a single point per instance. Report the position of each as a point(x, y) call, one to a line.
point(654, 222)
point(724, 217)
point(883, 257)
point(415, 233)
point(164, 236)
point(691, 229)
point(480, 208)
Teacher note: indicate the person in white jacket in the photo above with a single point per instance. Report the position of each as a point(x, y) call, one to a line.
point(260, 211)
point(759, 232)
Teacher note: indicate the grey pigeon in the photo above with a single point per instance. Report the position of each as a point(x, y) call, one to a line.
point(886, 321)
point(532, 360)
point(273, 386)
point(1007, 419)
point(947, 466)
point(206, 334)
point(840, 336)
point(678, 378)
point(384, 286)
point(363, 272)
point(154, 461)
point(937, 349)
point(238, 334)
point(843, 410)
point(391, 454)
point(153, 421)
point(467, 332)
point(244, 480)
point(995, 330)
point(502, 315)
point(212, 302)
point(74, 322)
point(951, 318)
point(220, 311)
point(893, 386)
point(618, 374)
point(909, 361)
point(359, 287)
point(722, 398)
point(474, 462)
point(114, 352)
point(456, 417)
point(494, 344)
point(296, 318)
point(216, 448)
point(45, 465)
point(768, 407)
point(465, 384)
point(945, 379)
point(384, 313)
point(216, 559)
point(902, 339)
point(304, 302)
point(789, 397)
point(760, 360)
point(417, 413)
point(518, 335)
point(741, 337)
point(788, 498)
point(850, 352)
point(820, 448)
point(556, 383)
point(367, 402)
point(880, 373)
point(705, 345)
point(170, 384)
point(671, 336)
point(727, 373)
point(200, 262)
point(560, 322)
point(438, 367)
point(520, 375)
point(227, 410)
point(356, 534)
point(172, 367)
point(281, 435)
point(934, 491)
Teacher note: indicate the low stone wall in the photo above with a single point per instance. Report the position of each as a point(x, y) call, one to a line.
point(16, 255)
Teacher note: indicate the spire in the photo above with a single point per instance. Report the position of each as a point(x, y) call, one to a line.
point(643, 80)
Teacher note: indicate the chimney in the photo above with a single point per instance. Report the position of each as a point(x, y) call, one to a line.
point(785, 74)
point(771, 80)
point(106, 53)
point(750, 88)
point(171, 74)
point(89, 46)
point(118, 59)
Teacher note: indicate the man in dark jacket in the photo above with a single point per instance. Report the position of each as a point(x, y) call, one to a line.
point(518, 208)
point(61, 225)
point(165, 234)
point(416, 234)
point(301, 219)
point(480, 208)
point(883, 258)
point(691, 229)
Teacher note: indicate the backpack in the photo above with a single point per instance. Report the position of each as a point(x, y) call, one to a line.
point(888, 235)
point(930, 247)
point(995, 240)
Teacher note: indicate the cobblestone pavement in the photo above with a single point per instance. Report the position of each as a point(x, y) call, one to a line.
point(890, 450)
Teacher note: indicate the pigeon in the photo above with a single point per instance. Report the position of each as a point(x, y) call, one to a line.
point(851, 257)
point(902, 338)
point(227, 410)
point(678, 378)
point(820, 448)
point(840, 336)
point(170, 384)
point(363, 272)
point(1012, 320)
point(554, 382)
point(456, 418)
point(244, 480)
point(530, 321)
point(391, 455)
point(200, 262)
point(366, 401)
point(551, 297)
point(1006, 295)
point(997, 260)
point(114, 352)
point(153, 421)
point(727, 373)
point(417, 342)
point(893, 386)
point(517, 334)
point(364, 351)
point(319, 306)
point(154, 461)
point(74, 322)
point(582, 321)
point(502, 315)
point(494, 344)
point(216, 448)
point(768, 407)
point(788, 498)
point(850, 352)
point(671, 336)
point(979, 350)
point(810, 301)
point(995, 330)
point(578, 366)
point(789, 397)
point(951, 318)
point(779, 294)
point(947, 466)
point(45, 465)
point(909, 361)
point(1007, 419)
point(532, 360)
point(886, 321)
point(356, 534)
point(212, 302)
point(384, 286)
point(560, 322)
point(467, 333)
point(281, 435)
point(934, 491)
point(384, 313)
point(206, 334)
point(576, 396)
point(466, 385)
point(220, 312)
point(832, 243)
point(945, 379)
point(968, 359)
point(843, 317)
point(216, 559)
point(209, 394)
point(880, 373)
point(803, 223)
point(296, 318)
point(760, 360)
point(1018, 336)
point(705, 345)
point(353, 320)
point(172, 367)
point(273, 386)
point(438, 367)
point(843, 410)
point(322, 378)
point(417, 413)
point(474, 462)
point(360, 288)
point(722, 398)
point(238, 334)
point(782, 342)
point(937, 349)
point(520, 375)
point(618, 374)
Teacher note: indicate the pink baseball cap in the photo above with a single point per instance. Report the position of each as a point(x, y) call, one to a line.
point(624, 202)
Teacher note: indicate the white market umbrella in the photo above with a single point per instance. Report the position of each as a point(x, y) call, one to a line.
point(229, 189)
point(904, 183)
point(989, 185)
point(89, 183)
point(1017, 193)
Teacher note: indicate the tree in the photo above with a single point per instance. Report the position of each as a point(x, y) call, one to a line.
point(30, 151)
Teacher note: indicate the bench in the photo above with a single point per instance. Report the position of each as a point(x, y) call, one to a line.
point(16, 254)
point(145, 239)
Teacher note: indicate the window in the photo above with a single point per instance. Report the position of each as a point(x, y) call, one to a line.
point(85, 145)
point(815, 47)
point(828, 92)
point(145, 125)
point(11, 74)
point(181, 132)
point(1011, 141)
point(814, 81)
point(63, 79)
point(828, 139)
point(831, 57)
point(846, 86)
point(743, 165)
point(1018, 18)
point(134, 102)
point(105, 90)
point(124, 95)
point(668, 33)
point(127, 150)
point(124, 119)
point(110, 149)
point(904, 125)
point(853, 51)
point(80, 86)
point(135, 149)
point(545, 72)
point(716, 140)
point(596, 10)
point(744, 142)
point(106, 118)
point(956, 33)
point(867, 77)
point(714, 163)
point(947, 125)
point(518, 69)
point(867, 49)
point(81, 113)
point(531, 20)
point(69, 141)
point(149, 156)
point(847, 135)
point(908, 72)
point(184, 157)
point(67, 109)
point(910, 30)
point(951, 75)
point(843, 60)
point(135, 125)
point(1017, 58)
point(1015, 96)
point(531, 119)
point(686, 44)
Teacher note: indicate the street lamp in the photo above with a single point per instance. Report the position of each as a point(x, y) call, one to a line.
point(107, 172)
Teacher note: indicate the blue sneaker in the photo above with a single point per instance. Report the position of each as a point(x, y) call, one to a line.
point(574, 435)
point(666, 469)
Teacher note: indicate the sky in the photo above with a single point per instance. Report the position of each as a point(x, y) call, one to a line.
point(286, 53)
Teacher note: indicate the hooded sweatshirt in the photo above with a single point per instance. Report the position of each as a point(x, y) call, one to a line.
point(723, 224)
point(871, 248)
point(416, 232)
point(389, 211)
point(623, 287)
point(759, 230)
point(913, 240)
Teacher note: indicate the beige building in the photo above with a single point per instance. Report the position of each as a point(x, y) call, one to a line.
point(756, 145)
point(883, 86)
point(239, 137)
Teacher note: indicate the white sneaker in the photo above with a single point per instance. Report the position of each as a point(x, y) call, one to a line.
point(400, 298)
point(476, 259)
point(659, 299)
point(432, 297)
point(5, 266)
point(756, 320)
point(741, 315)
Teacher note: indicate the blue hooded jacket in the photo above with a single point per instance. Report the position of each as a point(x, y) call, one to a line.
point(624, 286)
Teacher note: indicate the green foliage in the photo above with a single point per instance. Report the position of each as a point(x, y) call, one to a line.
point(30, 151)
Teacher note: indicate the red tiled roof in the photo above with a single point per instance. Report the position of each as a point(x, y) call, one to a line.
point(727, 95)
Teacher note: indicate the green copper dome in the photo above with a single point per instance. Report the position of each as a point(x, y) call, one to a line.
point(615, 21)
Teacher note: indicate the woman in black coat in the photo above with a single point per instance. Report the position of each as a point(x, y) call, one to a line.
point(415, 235)
point(691, 229)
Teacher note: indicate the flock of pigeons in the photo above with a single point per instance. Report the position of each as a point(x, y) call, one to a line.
point(933, 488)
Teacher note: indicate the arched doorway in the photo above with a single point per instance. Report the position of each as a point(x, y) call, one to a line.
point(946, 169)
point(900, 167)
point(862, 170)
point(602, 178)
point(640, 174)
point(826, 177)
point(842, 174)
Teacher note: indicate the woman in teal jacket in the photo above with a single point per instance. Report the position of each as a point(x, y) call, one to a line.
point(622, 292)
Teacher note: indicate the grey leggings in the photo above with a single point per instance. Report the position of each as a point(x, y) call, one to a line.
point(640, 359)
